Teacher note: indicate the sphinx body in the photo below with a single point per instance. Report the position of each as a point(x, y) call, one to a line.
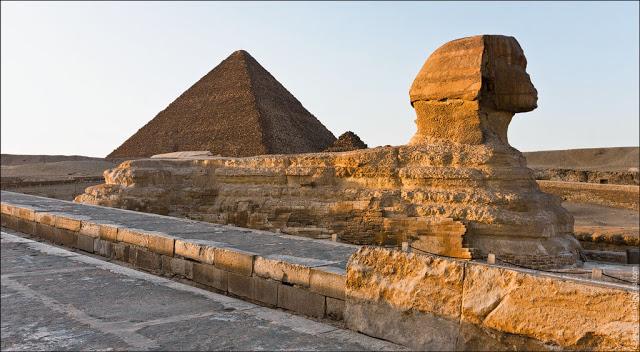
point(458, 188)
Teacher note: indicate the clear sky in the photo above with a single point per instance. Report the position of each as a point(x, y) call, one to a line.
point(80, 78)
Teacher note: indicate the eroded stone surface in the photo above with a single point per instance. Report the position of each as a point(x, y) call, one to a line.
point(362, 196)
point(561, 312)
point(412, 299)
point(406, 281)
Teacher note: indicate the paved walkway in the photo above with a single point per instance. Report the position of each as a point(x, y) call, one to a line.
point(299, 249)
point(55, 299)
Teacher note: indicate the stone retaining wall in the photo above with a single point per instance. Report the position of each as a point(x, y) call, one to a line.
point(629, 177)
point(434, 303)
point(611, 237)
point(617, 196)
point(66, 189)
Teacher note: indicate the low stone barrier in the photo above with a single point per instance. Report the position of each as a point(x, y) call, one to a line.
point(617, 196)
point(613, 237)
point(629, 177)
point(434, 303)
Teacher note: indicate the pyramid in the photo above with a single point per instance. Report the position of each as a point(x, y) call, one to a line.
point(347, 141)
point(237, 109)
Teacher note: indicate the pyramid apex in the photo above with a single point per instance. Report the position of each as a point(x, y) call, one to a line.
point(242, 55)
point(240, 52)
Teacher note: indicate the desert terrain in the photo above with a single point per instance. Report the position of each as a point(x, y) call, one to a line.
point(598, 159)
point(54, 176)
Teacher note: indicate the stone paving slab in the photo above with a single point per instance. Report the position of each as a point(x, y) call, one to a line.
point(54, 299)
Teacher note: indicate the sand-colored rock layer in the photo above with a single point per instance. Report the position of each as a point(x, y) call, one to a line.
point(370, 196)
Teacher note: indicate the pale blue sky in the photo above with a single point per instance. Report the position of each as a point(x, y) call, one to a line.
point(80, 78)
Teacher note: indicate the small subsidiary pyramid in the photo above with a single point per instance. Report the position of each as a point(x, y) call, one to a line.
point(237, 109)
point(348, 141)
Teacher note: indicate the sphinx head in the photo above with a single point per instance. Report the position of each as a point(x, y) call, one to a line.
point(468, 90)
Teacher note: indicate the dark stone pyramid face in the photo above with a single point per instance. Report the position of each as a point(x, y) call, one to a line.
point(238, 109)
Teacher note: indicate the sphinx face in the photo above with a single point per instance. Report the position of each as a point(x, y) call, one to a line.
point(487, 68)
point(506, 85)
point(469, 89)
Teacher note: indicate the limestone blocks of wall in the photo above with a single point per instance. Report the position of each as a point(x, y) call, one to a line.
point(431, 303)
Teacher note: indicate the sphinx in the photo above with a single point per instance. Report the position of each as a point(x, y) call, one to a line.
point(456, 189)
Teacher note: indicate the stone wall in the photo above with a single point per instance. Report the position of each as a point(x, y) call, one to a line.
point(426, 302)
point(590, 176)
point(618, 196)
point(59, 189)
point(608, 237)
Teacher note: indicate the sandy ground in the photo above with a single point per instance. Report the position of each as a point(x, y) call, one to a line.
point(58, 170)
point(599, 215)
point(65, 176)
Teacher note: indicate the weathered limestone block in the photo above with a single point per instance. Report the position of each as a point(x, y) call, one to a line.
point(301, 301)
point(155, 241)
point(409, 299)
point(458, 168)
point(234, 260)
point(436, 234)
point(426, 302)
point(406, 281)
point(199, 250)
point(552, 310)
point(285, 268)
point(328, 281)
